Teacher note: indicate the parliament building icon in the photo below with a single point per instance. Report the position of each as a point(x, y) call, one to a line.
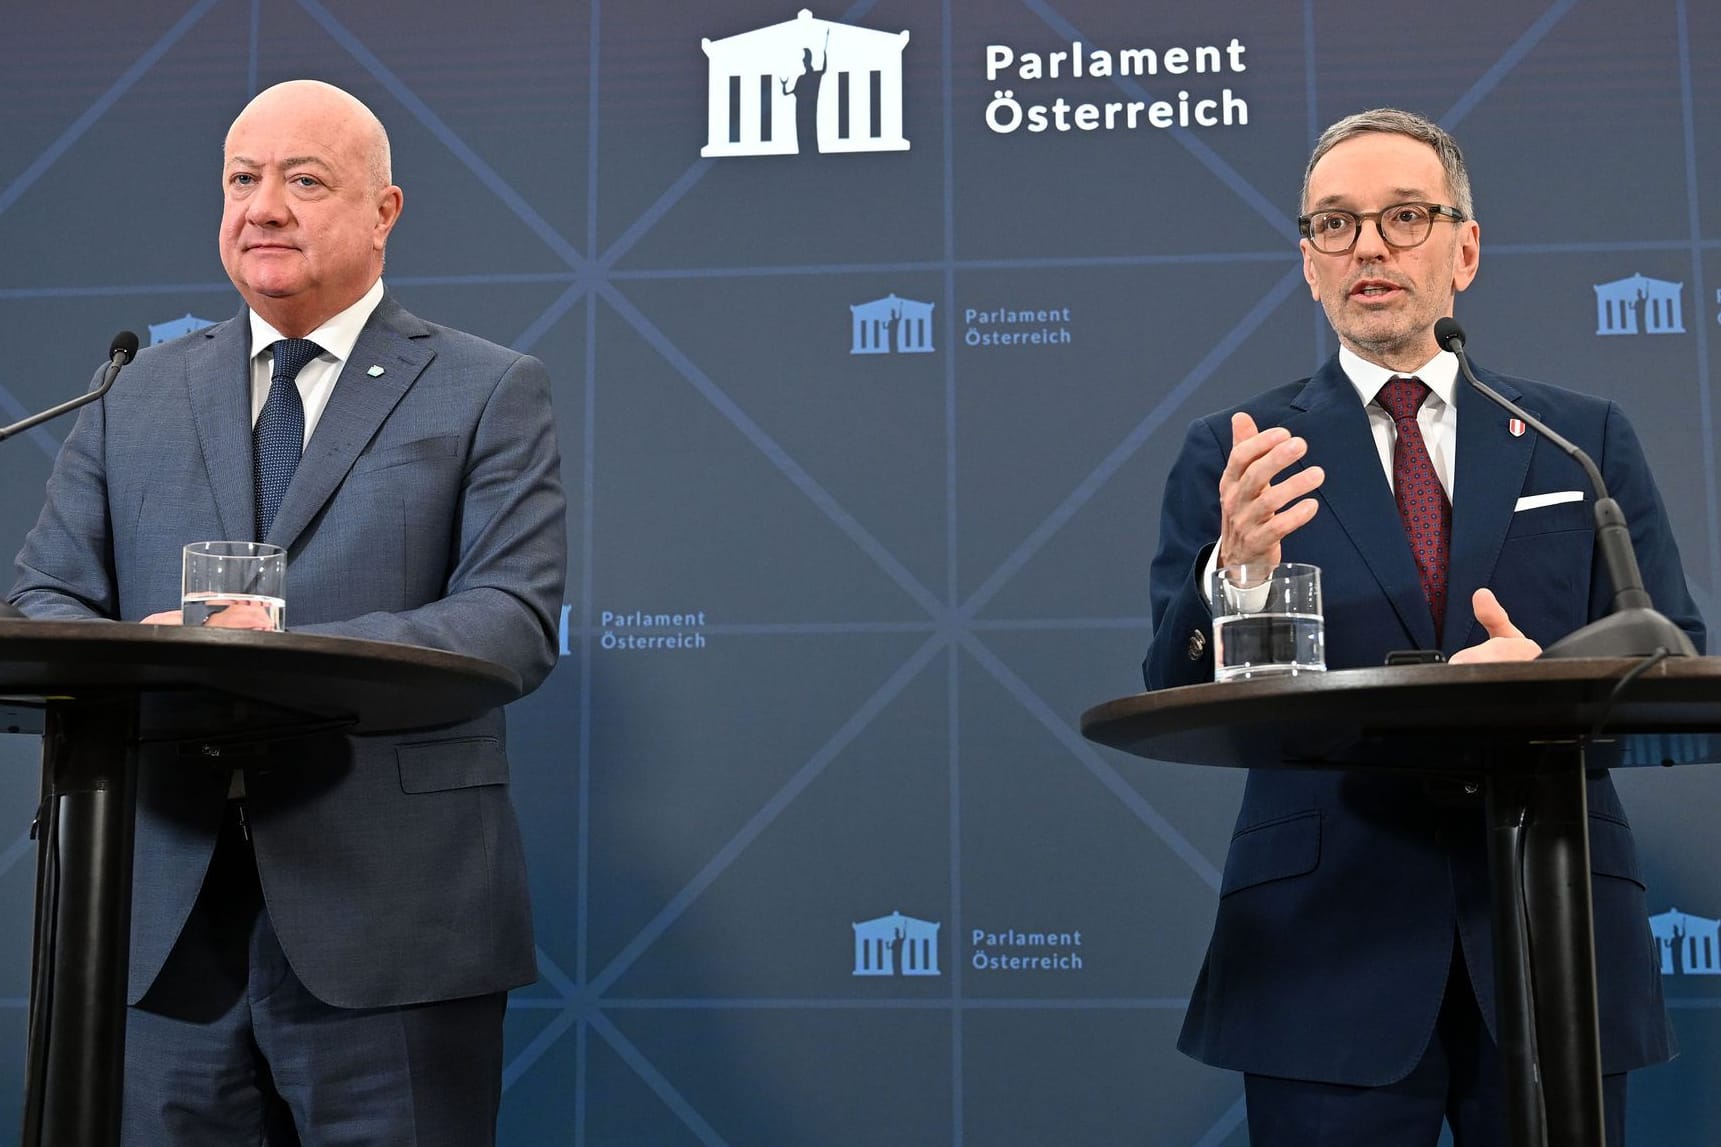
point(896, 945)
point(1690, 945)
point(804, 85)
point(1618, 304)
point(891, 324)
point(173, 328)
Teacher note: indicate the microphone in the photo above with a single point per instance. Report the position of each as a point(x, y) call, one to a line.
point(1632, 628)
point(120, 351)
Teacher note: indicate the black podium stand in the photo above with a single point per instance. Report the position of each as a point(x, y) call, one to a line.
point(1526, 732)
point(96, 691)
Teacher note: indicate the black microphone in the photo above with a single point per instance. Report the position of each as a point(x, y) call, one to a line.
point(120, 351)
point(1632, 628)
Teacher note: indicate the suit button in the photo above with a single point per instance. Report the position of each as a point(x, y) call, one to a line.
point(1197, 644)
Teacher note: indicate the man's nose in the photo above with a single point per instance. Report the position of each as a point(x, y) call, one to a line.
point(1370, 244)
point(268, 204)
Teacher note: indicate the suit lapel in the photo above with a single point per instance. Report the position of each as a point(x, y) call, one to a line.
point(357, 407)
point(218, 394)
point(1356, 492)
point(1487, 480)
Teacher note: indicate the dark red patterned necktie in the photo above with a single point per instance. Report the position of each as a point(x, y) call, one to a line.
point(1421, 499)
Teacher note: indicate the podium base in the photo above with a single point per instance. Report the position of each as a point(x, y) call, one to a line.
point(1628, 633)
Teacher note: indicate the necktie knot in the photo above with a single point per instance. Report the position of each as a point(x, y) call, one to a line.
point(291, 355)
point(1402, 397)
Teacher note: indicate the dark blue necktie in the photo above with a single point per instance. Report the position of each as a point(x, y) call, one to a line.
point(279, 437)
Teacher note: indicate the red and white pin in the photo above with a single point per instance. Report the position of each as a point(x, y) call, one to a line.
point(1516, 426)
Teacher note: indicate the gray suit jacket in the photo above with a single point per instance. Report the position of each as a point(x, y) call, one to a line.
point(428, 509)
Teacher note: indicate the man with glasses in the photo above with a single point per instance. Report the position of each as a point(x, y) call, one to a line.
point(1351, 973)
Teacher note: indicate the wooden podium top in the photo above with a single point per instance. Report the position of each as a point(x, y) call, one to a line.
point(1441, 718)
point(196, 679)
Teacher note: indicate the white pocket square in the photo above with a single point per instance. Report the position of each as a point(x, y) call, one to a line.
point(1537, 501)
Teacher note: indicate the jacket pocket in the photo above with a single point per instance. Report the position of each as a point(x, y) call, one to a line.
point(1552, 519)
point(436, 766)
point(441, 447)
point(1290, 846)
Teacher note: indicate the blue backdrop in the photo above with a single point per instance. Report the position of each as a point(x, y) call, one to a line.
point(866, 392)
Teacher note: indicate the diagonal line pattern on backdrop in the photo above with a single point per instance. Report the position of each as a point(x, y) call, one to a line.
point(649, 218)
point(74, 132)
point(422, 112)
point(778, 457)
point(553, 314)
point(655, 1080)
point(1065, 733)
point(1228, 1122)
point(14, 410)
point(1205, 155)
point(105, 101)
point(570, 1014)
point(1510, 59)
point(761, 820)
point(15, 852)
point(688, 179)
point(1133, 441)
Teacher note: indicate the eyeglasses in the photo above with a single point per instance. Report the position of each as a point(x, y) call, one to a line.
point(1401, 226)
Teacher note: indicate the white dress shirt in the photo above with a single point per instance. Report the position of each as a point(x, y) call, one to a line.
point(317, 379)
point(1438, 417)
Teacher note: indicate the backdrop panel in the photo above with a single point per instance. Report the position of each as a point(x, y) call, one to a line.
point(874, 330)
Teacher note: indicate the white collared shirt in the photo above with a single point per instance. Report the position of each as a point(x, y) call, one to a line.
point(317, 379)
point(1438, 417)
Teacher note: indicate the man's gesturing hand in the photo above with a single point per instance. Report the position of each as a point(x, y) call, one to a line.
point(1506, 642)
point(1255, 515)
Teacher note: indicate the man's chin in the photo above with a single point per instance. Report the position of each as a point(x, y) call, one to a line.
point(273, 288)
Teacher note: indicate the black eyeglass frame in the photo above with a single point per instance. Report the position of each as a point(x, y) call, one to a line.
point(1435, 211)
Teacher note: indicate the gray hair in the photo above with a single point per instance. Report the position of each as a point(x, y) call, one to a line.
point(1393, 121)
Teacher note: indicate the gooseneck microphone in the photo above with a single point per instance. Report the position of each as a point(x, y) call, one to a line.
point(120, 351)
point(1632, 628)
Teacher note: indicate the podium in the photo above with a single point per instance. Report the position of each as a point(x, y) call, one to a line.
point(96, 691)
point(1525, 732)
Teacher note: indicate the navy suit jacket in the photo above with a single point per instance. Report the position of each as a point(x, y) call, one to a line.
point(1342, 891)
point(427, 509)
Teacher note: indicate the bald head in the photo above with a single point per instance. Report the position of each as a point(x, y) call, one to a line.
point(308, 204)
point(314, 98)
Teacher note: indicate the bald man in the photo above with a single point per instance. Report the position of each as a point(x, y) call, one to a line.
point(324, 927)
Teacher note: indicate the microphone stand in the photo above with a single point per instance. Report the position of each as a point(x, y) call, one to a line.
point(118, 357)
point(125, 346)
point(1633, 626)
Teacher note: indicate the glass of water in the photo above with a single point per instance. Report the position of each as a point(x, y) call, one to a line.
point(1267, 621)
point(240, 585)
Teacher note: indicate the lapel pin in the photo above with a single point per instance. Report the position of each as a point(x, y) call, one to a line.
point(1515, 425)
point(376, 372)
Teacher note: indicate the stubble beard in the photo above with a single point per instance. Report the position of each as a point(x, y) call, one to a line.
point(1395, 346)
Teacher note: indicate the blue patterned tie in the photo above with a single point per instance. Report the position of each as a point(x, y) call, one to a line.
point(279, 437)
